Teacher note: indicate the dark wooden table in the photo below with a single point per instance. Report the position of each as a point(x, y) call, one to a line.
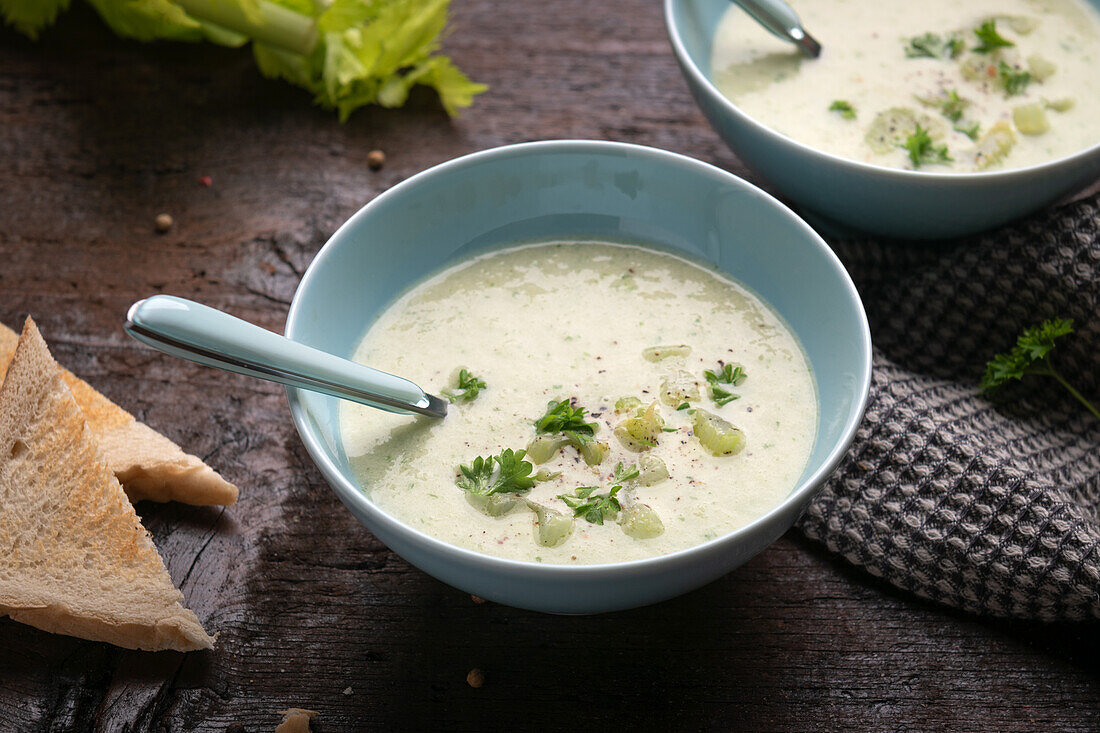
point(97, 136)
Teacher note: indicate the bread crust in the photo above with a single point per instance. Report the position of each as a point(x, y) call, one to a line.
point(149, 465)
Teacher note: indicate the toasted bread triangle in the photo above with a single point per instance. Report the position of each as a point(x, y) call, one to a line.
point(74, 557)
point(149, 465)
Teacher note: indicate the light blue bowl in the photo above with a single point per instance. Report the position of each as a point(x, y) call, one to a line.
point(601, 190)
point(875, 199)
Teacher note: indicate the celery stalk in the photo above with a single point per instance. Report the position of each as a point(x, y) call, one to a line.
point(267, 23)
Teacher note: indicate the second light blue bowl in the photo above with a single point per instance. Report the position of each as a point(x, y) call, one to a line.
point(888, 201)
point(569, 189)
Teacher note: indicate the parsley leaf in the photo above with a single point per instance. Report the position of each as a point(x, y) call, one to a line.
point(932, 45)
point(562, 417)
point(990, 38)
point(727, 374)
point(1031, 355)
point(846, 110)
point(952, 106)
point(511, 475)
point(921, 150)
point(467, 388)
point(593, 507)
point(623, 474)
point(970, 130)
point(1014, 80)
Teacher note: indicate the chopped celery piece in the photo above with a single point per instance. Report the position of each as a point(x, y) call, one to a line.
point(653, 470)
point(626, 404)
point(717, 435)
point(890, 128)
point(656, 353)
point(494, 505)
point(641, 522)
point(544, 476)
point(593, 452)
point(640, 433)
point(1060, 105)
point(678, 388)
point(627, 439)
point(1031, 119)
point(1040, 68)
point(544, 447)
point(551, 526)
point(893, 126)
point(994, 145)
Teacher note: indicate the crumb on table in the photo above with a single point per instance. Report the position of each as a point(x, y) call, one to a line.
point(295, 720)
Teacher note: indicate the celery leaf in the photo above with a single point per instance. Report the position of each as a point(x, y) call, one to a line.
point(31, 16)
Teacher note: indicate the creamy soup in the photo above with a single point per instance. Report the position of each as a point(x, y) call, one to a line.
point(593, 358)
point(939, 85)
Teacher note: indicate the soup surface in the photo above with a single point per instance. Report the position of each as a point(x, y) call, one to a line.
point(992, 84)
point(568, 325)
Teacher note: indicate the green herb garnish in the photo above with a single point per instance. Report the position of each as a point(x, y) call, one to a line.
point(593, 507)
point(511, 474)
point(562, 417)
point(1014, 80)
point(846, 110)
point(1031, 355)
point(683, 406)
point(467, 388)
point(727, 374)
point(932, 45)
point(971, 131)
point(990, 38)
point(952, 106)
point(623, 474)
point(921, 150)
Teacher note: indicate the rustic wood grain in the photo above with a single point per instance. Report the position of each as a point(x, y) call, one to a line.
point(97, 136)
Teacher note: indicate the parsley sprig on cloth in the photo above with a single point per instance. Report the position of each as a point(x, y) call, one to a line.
point(1031, 355)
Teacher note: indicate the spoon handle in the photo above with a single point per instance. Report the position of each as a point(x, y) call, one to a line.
point(210, 337)
point(780, 18)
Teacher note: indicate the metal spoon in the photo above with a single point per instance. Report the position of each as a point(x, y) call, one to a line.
point(210, 337)
point(779, 18)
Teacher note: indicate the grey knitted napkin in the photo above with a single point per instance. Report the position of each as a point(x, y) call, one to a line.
point(989, 506)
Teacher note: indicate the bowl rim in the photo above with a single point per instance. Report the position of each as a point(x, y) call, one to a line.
point(351, 494)
point(702, 81)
